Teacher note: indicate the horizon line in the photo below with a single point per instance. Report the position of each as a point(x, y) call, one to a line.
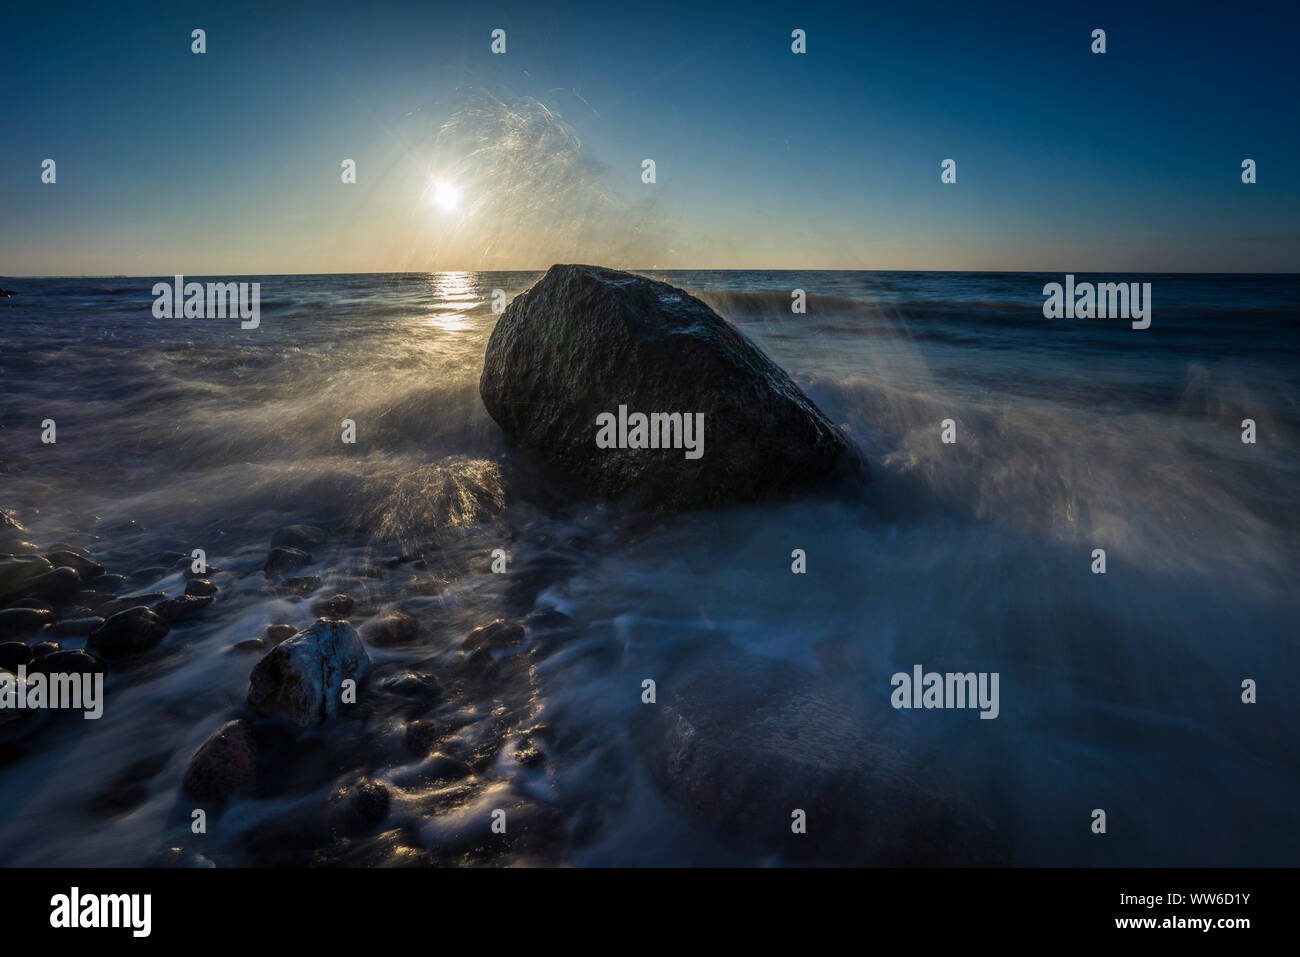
point(644, 269)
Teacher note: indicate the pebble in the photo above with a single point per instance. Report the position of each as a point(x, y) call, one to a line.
point(394, 628)
point(200, 587)
point(128, 632)
point(224, 766)
point(115, 605)
point(14, 654)
point(85, 567)
point(285, 559)
point(335, 606)
point(178, 609)
point(496, 636)
point(17, 622)
point(75, 627)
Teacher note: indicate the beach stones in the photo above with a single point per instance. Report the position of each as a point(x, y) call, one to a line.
point(224, 766)
point(392, 629)
point(285, 559)
point(176, 610)
point(496, 636)
point(335, 606)
point(302, 677)
point(20, 622)
point(85, 567)
point(200, 587)
point(75, 627)
point(587, 343)
point(14, 654)
point(57, 586)
point(128, 632)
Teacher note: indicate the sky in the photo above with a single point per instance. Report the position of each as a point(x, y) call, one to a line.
point(229, 163)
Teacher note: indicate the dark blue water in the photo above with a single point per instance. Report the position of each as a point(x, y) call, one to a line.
point(1119, 692)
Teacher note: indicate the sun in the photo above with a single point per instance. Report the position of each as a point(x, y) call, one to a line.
point(446, 196)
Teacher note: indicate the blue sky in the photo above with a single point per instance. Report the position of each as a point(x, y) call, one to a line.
point(229, 162)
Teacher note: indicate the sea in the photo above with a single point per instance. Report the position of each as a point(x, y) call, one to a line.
point(1162, 691)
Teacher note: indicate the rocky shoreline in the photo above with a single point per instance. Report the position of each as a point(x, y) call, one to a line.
point(351, 701)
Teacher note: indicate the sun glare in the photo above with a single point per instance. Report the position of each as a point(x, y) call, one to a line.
point(446, 196)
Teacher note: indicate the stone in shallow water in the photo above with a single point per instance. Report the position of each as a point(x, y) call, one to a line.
point(56, 586)
point(585, 340)
point(224, 766)
point(176, 610)
point(21, 622)
point(496, 636)
point(284, 559)
point(394, 628)
point(75, 627)
point(128, 632)
point(744, 741)
point(302, 678)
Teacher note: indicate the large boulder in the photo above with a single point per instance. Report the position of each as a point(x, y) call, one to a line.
point(743, 742)
point(586, 340)
point(302, 678)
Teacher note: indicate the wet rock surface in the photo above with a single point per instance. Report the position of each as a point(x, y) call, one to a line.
point(585, 340)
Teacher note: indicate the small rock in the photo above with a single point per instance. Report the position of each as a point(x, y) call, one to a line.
point(249, 644)
point(74, 661)
point(14, 654)
point(200, 587)
point(57, 586)
point(302, 677)
point(421, 736)
point(43, 649)
point(128, 632)
point(496, 636)
point(83, 566)
point(75, 627)
point(17, 622)
point(336, 606)
point(68, 612)
point(301, 537)
point(360, 808)
point(224, 766)
point(393, 629)
point(278, 633)
point(411, 685)
point(107, 584)
point(114, 605)
point(304, 585)
point(190, 573)
point(285, 559)
point(178, 609)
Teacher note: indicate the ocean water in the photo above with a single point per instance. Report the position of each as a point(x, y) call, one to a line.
point(1119, 691)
